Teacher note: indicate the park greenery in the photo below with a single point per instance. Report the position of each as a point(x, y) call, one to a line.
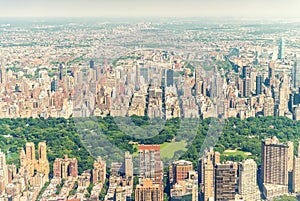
point(85, 138)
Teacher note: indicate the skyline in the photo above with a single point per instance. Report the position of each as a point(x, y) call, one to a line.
point(134, 8)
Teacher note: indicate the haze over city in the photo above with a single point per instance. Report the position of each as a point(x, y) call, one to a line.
point(156, 8)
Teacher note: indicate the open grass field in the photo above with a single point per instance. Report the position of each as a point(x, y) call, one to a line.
point(236, 153)
point(168, 149)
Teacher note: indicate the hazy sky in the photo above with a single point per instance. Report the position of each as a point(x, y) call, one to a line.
point(147, 8)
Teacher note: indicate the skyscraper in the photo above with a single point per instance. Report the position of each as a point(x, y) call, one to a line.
point(3, 173)
point(274, 168)
point(247, 87)
point(92, 64)
point(60, 72)
point(42, 163)
point(296, 73)
point(128, 165)
point(259, 81)
point(296, 171)
point(246, 71)
point(206, 174)
point(30, 157)
point(170, 77)
point(281, 49)
point(2, 75)
point(99, 171)
point(147, 191)
point(150, 164)
point(225, 181)
point(179, 170)
point(290, 155)
point(248, 188)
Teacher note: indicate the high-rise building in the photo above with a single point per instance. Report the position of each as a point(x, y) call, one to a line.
point(60, 72)
point(268, 109)
point(42, 165)
point(178, 171)
point(225, 181)
point(2, 75)
point(147, 191)
point(170, 77)
point(206, 174)
point(259, 81)
point(283, 96)
point(144, 73)
point(247, 87)
point(3, 173)
point(248, 188)
point(246, 71)
point(274, 168)
point(65, 167)
point(150, 164)
point(186, 189)
point(99, 171)
point(296, 73)
point(296, 171)
point(290, 156)
point(92, 64)
point(271, 74)
point(54, 84)
point(128, 165)
point(281, 49)
point(30, 157)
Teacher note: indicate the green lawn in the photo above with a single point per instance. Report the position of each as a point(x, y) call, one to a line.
point(236, 152)
point(168, 149)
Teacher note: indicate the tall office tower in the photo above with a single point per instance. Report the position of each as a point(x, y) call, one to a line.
point(178, 171)
point(296, 172)
point(206, 174)
point(137, 77)
point(2, 75)
point(92, 64)
point(128, 165)
point(150, 164)
point(170, 77)
point(290, 156)
point(99, 171)
point(241, 86)
point(3, 173)
point(248, 188)
point(259, 81)
point(30, 157)
point(283, 96)
point(60, 72)
point(268, 109)
point(246, 71)
point(247, 87)
point(296, 73)
point(54, 84)
point(271, 74)
point(225, 181)
point(274, 168)
point(215, 85)
point(148, 191)
point(281, 49)
point(144, 73)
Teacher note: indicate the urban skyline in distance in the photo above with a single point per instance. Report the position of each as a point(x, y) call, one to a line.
point(133, 8)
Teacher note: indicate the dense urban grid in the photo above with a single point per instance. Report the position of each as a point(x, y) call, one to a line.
point(174, 69)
